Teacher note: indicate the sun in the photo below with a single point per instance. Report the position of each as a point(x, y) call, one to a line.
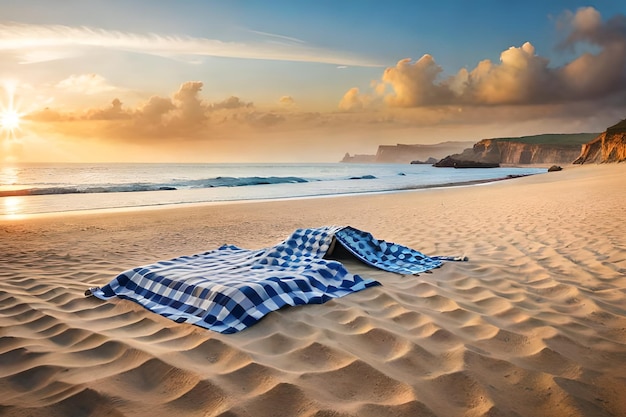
point(10, 114)
point(10, 120)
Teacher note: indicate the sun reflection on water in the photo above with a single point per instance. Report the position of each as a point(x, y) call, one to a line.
point(12, 205)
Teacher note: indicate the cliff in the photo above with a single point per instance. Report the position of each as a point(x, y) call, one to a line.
point(359, 159)
point(541, 149)
point(609, 146)
point(406, 153)
point(525, 153)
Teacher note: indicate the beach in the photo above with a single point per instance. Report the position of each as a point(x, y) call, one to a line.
point(533, 324)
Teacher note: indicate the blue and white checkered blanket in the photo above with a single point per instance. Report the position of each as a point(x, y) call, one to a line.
point(230, 289)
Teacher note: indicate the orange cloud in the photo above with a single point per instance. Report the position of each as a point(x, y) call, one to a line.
point(154, 111)
point(113, 112)
point(415, 84)
point(231, 103)
point(352, 100)
point(184, 115)
point(520, 78)
point(287, 102)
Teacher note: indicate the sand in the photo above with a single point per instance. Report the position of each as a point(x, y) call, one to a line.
point(534, 324)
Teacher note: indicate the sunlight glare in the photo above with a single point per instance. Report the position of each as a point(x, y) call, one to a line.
point(9, 120)
point(10, 116)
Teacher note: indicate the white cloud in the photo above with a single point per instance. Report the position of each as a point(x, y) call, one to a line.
point(85, 84)
point(38, 43)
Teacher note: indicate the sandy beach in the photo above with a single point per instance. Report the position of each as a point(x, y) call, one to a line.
point(534, 324)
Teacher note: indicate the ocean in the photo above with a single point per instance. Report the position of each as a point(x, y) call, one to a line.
point(34, 188)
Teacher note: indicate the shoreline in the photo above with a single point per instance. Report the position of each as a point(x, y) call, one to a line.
point(533, 324)
point(158, 206)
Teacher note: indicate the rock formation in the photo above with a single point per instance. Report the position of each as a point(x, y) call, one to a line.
point(429, 161)
point(454, 162)
point(609, 146)
point(541, 149)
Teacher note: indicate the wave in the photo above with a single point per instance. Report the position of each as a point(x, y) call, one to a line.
point(120, 188)
point(363, 177)
point(244, 181)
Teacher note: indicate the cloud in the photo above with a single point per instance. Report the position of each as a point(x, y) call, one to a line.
point(113, 112)
point(190, 111)
point(47, 115)
point(39, 43)
point(184, 115)
point(85, 84)
point(287, 104)
point(520, 78)
point(264, 119)
point(415, 84)
point(153, 112)
point(352, 100)
point(279, 37)
point(595, 75)
point(586, 26)
point(287, 101)
point(185, 127)
point(231, 103)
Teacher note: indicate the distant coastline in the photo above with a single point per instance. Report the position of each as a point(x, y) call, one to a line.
point(552, 148)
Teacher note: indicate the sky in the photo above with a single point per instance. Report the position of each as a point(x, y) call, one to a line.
point(296, 81)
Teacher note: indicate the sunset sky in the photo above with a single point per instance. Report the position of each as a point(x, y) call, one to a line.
point(295, 81)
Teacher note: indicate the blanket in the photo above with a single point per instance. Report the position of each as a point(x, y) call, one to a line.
point(229, 289)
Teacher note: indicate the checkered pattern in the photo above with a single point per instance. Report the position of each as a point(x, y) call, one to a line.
point(230, 289)
point(386, 255)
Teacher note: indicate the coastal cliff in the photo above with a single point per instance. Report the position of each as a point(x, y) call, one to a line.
point(523, 153)
point(609, 146)
point(404, 154)
point(540, 149)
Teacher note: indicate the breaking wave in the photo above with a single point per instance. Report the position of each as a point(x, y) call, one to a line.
point(175, 185)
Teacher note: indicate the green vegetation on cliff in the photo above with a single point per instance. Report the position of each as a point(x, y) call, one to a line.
point(553, 139)
point(617, 128)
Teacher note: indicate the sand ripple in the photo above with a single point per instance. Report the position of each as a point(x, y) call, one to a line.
point(533, 325)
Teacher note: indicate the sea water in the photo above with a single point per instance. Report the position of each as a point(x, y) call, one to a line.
point(27, 189)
